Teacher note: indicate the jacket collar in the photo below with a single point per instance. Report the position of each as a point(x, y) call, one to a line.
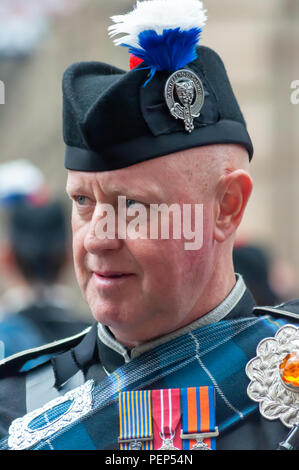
point(239, 303)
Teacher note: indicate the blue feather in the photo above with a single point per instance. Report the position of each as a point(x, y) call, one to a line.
point(171, 50)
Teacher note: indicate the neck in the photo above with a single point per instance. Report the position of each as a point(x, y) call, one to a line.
point(225, 308)
point(218, 287)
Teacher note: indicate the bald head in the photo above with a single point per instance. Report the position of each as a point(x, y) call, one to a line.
point(193, 173)
point(204, 166)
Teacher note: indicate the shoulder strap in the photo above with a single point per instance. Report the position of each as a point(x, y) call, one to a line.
point(289, 310)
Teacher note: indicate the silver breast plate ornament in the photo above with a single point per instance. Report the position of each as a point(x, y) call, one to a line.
point(184, 95)
point(274, 375)
point(42, 423)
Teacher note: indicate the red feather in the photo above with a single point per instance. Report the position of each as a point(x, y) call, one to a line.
point(134, 61)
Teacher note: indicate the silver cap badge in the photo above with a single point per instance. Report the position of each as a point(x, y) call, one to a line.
point(184, 95)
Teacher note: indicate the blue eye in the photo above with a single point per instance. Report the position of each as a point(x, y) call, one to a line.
point(81, 200)
point(131, 202)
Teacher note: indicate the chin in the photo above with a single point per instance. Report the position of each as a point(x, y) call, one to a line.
point(109, 315)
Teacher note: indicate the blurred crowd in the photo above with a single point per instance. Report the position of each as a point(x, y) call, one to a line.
point(36, 306)
point(25, 22)
point(271, 279)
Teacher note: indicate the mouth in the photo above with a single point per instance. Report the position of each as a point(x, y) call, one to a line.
point(111, 274)
point(109, 278)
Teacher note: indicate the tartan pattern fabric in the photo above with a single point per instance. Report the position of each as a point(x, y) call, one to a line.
point(212, 355)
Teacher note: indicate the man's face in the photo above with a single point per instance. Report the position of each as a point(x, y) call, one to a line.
point(141, 288)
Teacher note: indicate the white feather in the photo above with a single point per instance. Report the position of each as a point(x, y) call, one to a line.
point(157, 15)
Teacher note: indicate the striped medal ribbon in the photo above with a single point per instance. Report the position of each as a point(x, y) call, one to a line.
point(135, 419)
point(166, 419)
point(198, 418)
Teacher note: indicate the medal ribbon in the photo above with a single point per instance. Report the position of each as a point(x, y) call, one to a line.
point(198, 406)
point(166, 417)
point(135, 418)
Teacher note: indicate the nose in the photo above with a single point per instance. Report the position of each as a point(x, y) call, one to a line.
point(102, 231)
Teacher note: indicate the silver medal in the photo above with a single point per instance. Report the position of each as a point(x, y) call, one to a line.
point(136, 445)
point(184, 95)
point(276, 397)
point(168, 445)
point(200, 445)
point(199, 437)
point(168, 442)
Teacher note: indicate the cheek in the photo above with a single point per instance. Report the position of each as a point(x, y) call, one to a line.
point(78, 257)
point(164, 265)
point(79, 252)
point(167, 263)
point(193, 266)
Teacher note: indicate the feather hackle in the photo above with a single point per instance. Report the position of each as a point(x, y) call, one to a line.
point(163, 33)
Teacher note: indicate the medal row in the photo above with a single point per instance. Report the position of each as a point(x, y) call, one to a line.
point(169, 419)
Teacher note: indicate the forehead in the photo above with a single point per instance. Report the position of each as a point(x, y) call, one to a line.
point(183, 176)
point(116, 180)
point(150, 173)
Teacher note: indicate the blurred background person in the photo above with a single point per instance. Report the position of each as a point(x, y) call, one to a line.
point(254, 264)
point(35, 308)
point(270, 279)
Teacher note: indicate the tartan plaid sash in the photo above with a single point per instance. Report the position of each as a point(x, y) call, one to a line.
point(213, 355)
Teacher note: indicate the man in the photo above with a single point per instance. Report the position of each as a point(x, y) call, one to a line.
point(175, 327)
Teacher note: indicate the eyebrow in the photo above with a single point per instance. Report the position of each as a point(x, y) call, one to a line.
point(133, 192)
point(75, 187)
point(113, 188)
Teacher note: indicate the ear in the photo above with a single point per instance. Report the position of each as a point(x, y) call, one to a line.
point(232, 194)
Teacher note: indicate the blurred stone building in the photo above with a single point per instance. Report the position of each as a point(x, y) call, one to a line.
point(259, 43)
